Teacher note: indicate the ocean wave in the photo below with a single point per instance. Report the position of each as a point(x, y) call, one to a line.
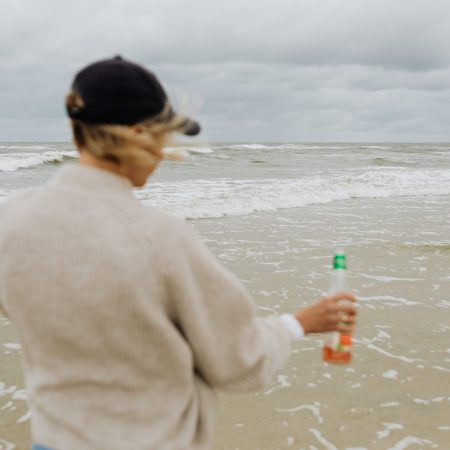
point(195, 150)
point(305, 146)
point(199, 150)
point(264, 147)
point(251, 146)
point(23, 147)
point(11, 162)
point(197, 199)
point(375, 147)
point(380, 161)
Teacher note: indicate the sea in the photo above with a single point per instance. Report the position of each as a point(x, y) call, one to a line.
point(237, 179)
point(273, 213)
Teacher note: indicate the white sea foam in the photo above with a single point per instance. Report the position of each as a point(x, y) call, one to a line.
point(211, 198)
point(252, 146)
point(411, 440)
point(368, 343)
point(11, 162)
point(389, 300)
point(5, 445)
point(388, 427)
point(391, 374)
point(25, 418)
point(23, 147)
point(321, 438)
point(356, 448)
point(13, 345)
point(389, 404)
point(282, 382)
point(385, 279)
point(13, 391)
point(285, 146)
point(20, 394)
point(443, 369)
point(313, 408)
point(187, 150)
point(199, 150)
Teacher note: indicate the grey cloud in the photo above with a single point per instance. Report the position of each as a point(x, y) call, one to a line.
point(272, 70)
point(402, 33)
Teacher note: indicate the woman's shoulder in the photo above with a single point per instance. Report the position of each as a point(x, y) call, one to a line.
point(163, 223)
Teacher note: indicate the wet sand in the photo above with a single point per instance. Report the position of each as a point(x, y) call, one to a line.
point(14, 425)
point(396, 392)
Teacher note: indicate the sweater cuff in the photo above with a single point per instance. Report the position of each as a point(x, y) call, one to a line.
point(293, 326)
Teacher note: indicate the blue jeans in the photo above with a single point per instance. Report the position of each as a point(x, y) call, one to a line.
point(39, 447)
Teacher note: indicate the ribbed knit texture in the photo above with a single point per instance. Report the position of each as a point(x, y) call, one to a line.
point(128, 323)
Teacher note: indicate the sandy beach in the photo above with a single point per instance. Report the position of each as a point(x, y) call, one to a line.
point(14, 420)
point(395, 394)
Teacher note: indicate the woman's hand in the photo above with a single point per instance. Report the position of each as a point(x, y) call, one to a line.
point(334, 313)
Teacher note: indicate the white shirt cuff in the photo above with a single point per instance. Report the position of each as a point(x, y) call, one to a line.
point(293, 326)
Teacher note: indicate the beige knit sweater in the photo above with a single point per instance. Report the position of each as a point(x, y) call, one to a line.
point(128, 323)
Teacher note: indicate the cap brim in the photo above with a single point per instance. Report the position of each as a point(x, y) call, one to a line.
point(189, 127)
point(184, 124)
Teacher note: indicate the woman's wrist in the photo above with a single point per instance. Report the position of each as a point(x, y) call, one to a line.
point(302, 320)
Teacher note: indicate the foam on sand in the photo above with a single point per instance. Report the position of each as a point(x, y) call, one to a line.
point(5, 445)
point(391, 374)
point(319, 436)
point(313, 408)
point(412, 440)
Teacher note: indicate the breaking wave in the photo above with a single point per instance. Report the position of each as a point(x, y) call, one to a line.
point(14, 161)
point(213, 198)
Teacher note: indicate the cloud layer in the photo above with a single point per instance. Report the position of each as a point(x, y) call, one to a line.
point(289, 70)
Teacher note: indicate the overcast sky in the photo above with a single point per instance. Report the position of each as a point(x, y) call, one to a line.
point(253, 70)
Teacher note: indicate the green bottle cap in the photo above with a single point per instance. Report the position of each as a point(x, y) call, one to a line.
point(339, 261)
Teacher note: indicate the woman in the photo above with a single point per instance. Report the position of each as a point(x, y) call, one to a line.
point(128, 323)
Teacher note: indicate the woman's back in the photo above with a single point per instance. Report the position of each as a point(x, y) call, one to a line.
point(82, 279)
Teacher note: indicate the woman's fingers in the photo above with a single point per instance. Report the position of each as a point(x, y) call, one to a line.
point(341, 312)
point(347, 309)
point(333, 313)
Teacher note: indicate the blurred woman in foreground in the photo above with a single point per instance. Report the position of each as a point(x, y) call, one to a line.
point(128, 323)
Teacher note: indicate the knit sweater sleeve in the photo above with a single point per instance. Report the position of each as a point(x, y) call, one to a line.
point(233, 348)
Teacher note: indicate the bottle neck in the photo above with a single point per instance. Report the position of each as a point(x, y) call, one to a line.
point(339, 262)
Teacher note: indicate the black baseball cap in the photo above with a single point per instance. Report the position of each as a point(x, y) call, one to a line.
point(117, 91)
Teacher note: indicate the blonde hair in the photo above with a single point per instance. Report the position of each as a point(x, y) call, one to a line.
point(120, 143)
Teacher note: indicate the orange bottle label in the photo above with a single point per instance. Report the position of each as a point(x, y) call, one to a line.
point(338, 349)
